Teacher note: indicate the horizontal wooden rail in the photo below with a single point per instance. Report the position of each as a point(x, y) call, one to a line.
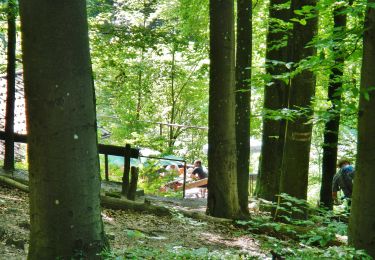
point(124, 151)
point(19, 138)
point(102, 148)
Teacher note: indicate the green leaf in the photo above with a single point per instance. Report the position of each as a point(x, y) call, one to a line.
point(366, 96)
point(294, 20)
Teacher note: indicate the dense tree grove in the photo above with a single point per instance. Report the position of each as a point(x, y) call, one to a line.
point(199, 79)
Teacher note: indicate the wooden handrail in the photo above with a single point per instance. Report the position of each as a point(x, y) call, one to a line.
point(102, 148)
point(107, 149)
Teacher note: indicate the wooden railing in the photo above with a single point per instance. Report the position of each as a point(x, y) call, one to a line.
point(127, 152)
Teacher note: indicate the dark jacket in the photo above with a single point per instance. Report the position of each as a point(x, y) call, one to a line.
point(343, 180)
point(201, 173)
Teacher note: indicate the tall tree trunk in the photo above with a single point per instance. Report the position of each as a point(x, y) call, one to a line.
point(61, 124)
point(222, 185)
point(331, 128)
point(362, 218)
point(295, 163)
point(243, 94)
point(11, 87)
point(275, 98)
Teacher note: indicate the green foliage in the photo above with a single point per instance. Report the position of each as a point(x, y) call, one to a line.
point(301, 251)
point(309, 238)
point(153, 177)
point(174, 252)
point(115, 171)
point(149, 68)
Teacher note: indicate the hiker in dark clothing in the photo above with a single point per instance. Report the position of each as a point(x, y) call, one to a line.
point(198, 170)
point(200, 173)
point(343, 180)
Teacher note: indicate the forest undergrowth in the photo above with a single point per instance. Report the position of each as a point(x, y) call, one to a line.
point(135, 235)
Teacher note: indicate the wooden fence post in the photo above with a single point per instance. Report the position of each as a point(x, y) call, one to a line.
point(125, 177)
point(106, 167)
point(184, 183)
point(133, 183)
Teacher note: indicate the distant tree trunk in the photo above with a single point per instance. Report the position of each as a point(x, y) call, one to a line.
point(362, 217)
point(331, 128)
point(275, 98)
point(222, 184)
point(11, 87)
point(62, 138)
point(243, 94)
point(171, 139)
point(140, 86)
point(140, 71)
point(295, 164)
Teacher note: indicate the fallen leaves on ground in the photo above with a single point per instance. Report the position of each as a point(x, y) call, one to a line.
point(128, 229)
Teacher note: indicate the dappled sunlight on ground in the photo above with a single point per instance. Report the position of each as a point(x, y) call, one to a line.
point(130, 229)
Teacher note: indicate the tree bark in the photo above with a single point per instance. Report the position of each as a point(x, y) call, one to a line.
point(222, 184)
point(295, 163)
point(275, 99)
point(362, 218)
point(243, 95)
point(62, 137)
point(331, 128)
point(11, 86)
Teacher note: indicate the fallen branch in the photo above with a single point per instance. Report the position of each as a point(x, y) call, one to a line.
point(125, 204)
point(10, 182)
point(202, 216)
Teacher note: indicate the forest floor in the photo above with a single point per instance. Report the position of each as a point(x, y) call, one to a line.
point(140, 235)
point(135, 235)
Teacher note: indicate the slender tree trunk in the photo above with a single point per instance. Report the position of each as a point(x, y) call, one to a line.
point(243, 94)
point(295, 163)
point(140, 85)
point(222, 185)
point(11, 87)
point(173, 101)
point(362, 218)
point(275, 98)
point(140, 71)
point(61, 124)
point(331, 128)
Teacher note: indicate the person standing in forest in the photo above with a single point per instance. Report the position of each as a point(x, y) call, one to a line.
point(343, 180)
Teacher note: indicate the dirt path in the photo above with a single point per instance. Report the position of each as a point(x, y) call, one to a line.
point(129, 229)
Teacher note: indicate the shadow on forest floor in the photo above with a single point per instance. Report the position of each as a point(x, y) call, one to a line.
point(136, 235)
